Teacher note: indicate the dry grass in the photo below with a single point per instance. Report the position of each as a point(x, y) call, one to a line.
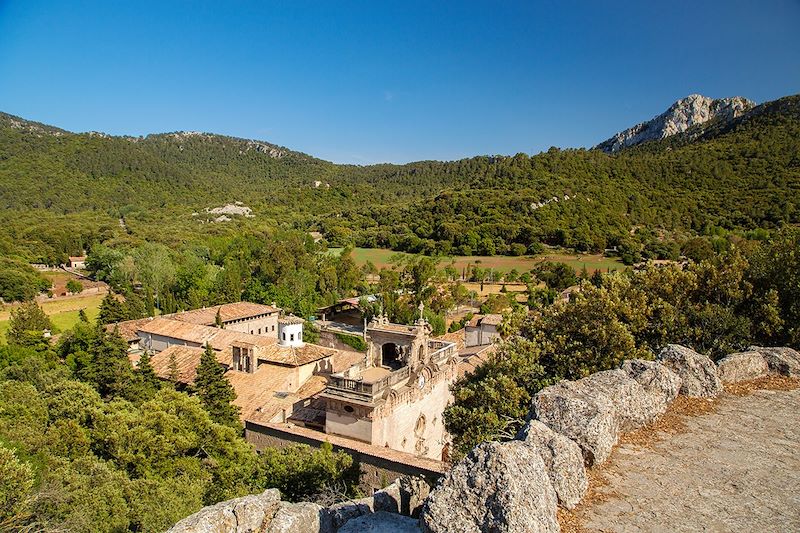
point(672, 422)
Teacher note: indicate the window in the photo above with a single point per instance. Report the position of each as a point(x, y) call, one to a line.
point(259, 331)
point(284, 335)
point(291, 337)
point(348, 408)
point(273, 327)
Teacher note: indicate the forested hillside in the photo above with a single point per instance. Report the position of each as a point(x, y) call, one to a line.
point(741, 175)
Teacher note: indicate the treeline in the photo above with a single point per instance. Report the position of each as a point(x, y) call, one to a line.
point(749, 294)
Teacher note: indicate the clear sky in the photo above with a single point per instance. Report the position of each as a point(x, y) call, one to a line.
point(373, 81)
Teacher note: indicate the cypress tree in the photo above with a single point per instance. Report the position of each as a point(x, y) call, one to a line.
point(215, 391)
point(113, 373)
point(146, 372)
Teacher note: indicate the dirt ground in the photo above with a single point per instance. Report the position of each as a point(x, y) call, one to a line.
point(731, 464)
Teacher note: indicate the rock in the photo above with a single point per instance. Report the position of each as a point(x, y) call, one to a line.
point(497, 487)
point(563, 460)
point(381, 522)
point(296, 518)
point(240, 515)
point(682, 115)
point(784, 361)
point(658, 381)
point(388, 499)
point(413, 491)
point(588, 419)
point(594, 410)
point(340, 513)
point(698, 373)
point(742, 366)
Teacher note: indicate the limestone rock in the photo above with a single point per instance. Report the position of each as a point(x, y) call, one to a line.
point(381, 522)
point(742, 366)
point(587, 419)
point(698, 373)
point(388, 499)
point(413, 491)
point(498, 488)
point(340, 513)
point(658, 381)
point(784, 361)
point(296, 518)
point(241, 515)
point(593, 411)
point(563, 460)
point(682, 115)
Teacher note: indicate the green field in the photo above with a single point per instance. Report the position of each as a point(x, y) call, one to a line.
point(63, 312)
point(382, 259)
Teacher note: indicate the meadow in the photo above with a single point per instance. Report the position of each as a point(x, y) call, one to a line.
point(386, 258)
point(63, 312)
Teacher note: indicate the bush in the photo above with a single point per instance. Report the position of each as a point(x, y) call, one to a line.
point(356, 343)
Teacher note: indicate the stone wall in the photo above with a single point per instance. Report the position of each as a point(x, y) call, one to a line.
point(517, 486)
point(394, 508)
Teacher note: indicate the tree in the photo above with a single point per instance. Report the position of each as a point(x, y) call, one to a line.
point(111, 371)
point(74, 286)
point(112, 310)
point(215, 391)
point(16, 483)
point(146, 373)
point(27, 325)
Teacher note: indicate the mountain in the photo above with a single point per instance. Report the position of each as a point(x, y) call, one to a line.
point(693, 110)
point(62, 192)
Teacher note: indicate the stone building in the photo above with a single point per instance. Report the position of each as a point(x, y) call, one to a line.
point(396, 396)
point(482, 330)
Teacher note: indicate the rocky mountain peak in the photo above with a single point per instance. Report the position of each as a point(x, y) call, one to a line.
point(682, 115)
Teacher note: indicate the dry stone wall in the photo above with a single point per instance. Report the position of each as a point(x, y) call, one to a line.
point(574, 425)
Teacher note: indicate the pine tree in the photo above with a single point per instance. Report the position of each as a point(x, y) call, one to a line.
point(173, 368)
point(111, 310)
point(82, 316)
point(112, 372)
point(215, 391)
point(218, 319)
point(27, 325)
point(146, 372)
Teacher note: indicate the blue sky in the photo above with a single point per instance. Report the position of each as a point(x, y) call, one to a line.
point(364, 82)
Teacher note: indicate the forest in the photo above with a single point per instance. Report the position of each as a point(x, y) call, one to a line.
point(62, 193)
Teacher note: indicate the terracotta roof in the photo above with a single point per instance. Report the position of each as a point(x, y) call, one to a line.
point(186, 358)
point(291, 319)
point(127, 330)
point(456, 337)
point(77, 258)
point(227, 312)
point(219, 339)
point(488, 320)
point(294, 356)
point(473, 357)
point(263, 394)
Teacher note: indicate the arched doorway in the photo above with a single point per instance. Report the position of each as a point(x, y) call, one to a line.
point(390, 356)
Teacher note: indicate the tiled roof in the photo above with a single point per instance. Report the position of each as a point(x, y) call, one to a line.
point(291, 319)
point(472, 358)
point(127, 330)
point(294, 356)
point(486, 320)
point(227, 312)
point(186, 359)
point(219, 339)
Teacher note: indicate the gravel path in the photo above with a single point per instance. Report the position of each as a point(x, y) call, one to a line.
point(734, 469)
